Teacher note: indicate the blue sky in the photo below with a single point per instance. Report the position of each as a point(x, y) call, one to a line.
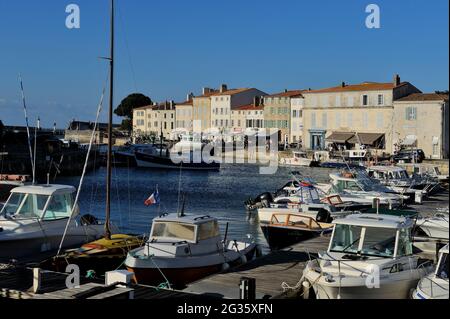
point(168, 48)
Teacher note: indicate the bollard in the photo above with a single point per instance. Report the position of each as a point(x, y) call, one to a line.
point(247, 288)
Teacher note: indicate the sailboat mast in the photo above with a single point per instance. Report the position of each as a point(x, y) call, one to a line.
point(110, 130)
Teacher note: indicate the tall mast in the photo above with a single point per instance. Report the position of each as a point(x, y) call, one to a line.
point(110, 120)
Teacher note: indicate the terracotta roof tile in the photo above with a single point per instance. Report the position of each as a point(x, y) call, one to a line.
point(366, 86)
point(288, 93)
point(248, 107)
point(424, 97)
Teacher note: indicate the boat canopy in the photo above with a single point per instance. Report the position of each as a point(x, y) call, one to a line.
point(45, 202)
point(376, 221)
point(47, 190)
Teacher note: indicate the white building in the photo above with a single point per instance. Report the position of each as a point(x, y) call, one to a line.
point(224, 101)
point(297, 104)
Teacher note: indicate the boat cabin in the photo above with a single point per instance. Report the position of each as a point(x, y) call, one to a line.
point(295, 221)
point(442, 268)
point(42, 202)
point(387, 173)
point(368, 235)
point(190, 229)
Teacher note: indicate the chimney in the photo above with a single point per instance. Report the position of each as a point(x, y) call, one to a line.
point(396, 80)
point(171, 104)
point(223, 88)
point(343, 84)
point(206, 91)
point(285, 90)
point(190, 96)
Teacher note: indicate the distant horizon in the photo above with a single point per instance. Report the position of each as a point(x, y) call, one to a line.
point(167, 49)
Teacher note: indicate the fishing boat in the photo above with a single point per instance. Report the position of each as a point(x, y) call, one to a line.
point(34, 219)
point(298, 159)
point(369, 257)
point(435, 285)
point(285, 229)
point(184, 248)
point(165, 158)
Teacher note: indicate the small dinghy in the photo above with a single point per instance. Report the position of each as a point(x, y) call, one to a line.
point(185, 248)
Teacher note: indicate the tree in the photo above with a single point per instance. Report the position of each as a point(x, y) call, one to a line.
point(125, 108)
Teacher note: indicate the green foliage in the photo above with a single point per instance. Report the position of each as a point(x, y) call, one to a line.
point(132, 101)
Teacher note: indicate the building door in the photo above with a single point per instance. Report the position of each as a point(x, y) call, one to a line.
point(317, 140)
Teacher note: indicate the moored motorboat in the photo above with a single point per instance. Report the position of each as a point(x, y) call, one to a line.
point(435, 285)
point(288, 229)
point(436, 226)
point(182, 249)
point(369, 257)
point(34, 218)
point(298, 159)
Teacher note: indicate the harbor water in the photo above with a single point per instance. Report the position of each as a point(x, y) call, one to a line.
point(220, 194)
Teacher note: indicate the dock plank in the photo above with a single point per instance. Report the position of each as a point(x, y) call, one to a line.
point(269, 271)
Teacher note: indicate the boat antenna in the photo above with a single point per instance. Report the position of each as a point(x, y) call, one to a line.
point(28, 127)
point(35, 148)
point(110, 130)
point(181, 212)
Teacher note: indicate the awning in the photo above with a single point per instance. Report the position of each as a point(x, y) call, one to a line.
point(366, 138)
point(410, 140)
point(339, 137)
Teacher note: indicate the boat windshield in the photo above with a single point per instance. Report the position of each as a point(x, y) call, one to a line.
point(375, 241)
point(443, 267)
point(173, 230)
point(25, 206)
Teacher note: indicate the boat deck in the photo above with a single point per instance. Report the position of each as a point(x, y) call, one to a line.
point(269, 271)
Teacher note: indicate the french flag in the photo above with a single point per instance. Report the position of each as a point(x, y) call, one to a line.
point(153, 199)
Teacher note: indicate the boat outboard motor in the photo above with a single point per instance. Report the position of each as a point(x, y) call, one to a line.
point(88, 219)
point(259, 201)
point(324, 216)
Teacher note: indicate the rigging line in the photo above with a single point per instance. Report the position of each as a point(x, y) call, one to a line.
point(125, 39)
point(100, 106)
point(26, 121)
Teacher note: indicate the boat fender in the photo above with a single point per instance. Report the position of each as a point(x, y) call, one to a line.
point(225, 267)
point(243, 259)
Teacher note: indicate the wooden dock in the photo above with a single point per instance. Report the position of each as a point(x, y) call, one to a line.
point(269, 271)
point(17, 283)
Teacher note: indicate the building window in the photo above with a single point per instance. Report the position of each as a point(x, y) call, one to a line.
point(350, 101)
point(411, 113)
point(232, 123)
point(171, 125)
point(338, 100)
point(380, 99)
point(324, 121)
point(313, 120)
point(436, 151)
point(365, 120)
point(380, 120)
point(349, 120)
point(294, 113)
point(365, 100)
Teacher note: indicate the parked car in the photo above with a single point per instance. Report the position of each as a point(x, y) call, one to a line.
point(409, 156)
